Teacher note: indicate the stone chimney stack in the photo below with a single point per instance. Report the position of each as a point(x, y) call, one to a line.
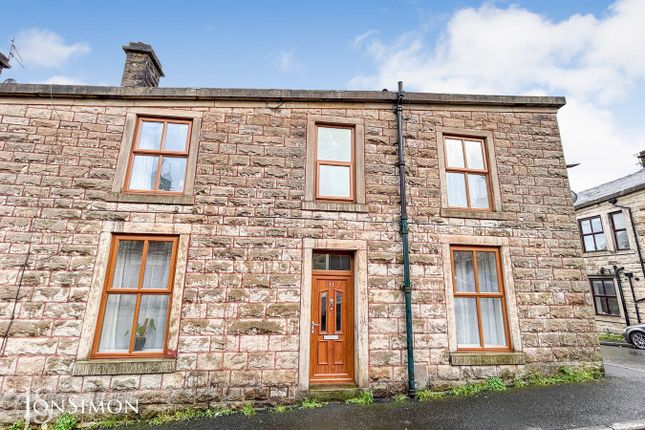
point(142, 67)
point(641, 158)
point(4, 62)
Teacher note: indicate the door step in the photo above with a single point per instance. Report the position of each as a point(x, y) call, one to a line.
point(330, 393)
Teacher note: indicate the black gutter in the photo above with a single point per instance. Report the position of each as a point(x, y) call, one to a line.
point(407, 290)
point(614, 202)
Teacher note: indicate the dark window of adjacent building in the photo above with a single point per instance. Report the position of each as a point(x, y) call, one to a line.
point(593, 236)
point(619, 229)
point(604, 296)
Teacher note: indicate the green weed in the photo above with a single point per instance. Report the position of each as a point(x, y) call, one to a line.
point(425, 395)
point(400, 398)
point(279, 409)
point(365, 398)
point(65, 422)
point(311, 404)
point(248, 410)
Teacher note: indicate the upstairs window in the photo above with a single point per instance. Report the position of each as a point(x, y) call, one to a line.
point(335, 163)
point(593, 236)
point(467, 173)
point(619, 230)
point(604, 297)
point(159, 156)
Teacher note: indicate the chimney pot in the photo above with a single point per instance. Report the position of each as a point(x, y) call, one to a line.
point(641, 158)
point(142, 67)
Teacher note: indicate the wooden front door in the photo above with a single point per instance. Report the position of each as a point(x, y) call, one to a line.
point(332, 327)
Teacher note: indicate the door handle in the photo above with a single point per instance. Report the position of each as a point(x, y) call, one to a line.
point(313, 324)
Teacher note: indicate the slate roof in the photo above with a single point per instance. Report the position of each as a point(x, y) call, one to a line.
point(616, 188)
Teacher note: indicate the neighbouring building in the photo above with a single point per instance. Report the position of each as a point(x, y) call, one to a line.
point(189, 246)
point(612, 225)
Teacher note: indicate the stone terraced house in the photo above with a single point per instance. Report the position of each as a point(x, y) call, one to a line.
point(612, 228)
point(185, 246)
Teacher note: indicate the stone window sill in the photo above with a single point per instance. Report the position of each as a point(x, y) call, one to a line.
point(465, 213)
point(334, 206)
point(486, 358)
point(150, 198)
point(607, 253)
point(137, 366)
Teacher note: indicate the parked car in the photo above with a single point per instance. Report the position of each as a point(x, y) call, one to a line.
point(635, 334)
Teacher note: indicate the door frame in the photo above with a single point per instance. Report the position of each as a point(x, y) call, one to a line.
point(361, 352)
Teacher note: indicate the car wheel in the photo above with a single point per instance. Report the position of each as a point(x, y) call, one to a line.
point(638, 339)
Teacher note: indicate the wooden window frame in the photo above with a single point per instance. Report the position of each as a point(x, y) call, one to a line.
point(134, 150)
point(351, 164)
point(605, 296)
point(139, 291)
point(466, 171)
point(477, 295)
point(615, 230)
point(592, 234)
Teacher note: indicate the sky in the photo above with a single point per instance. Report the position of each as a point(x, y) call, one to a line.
point(590, 51)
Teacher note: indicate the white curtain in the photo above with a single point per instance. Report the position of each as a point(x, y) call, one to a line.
point(157, 265)
point(152, 314)
point(464, 271)
point(466, 321)
point(128, 264)
point(117, 323)
point(144, 172)
point(492, 322)
point(456, 184)
point(487, 271)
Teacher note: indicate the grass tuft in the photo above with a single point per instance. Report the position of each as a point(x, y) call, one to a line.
point(426, 395)
point(65, 422)
point(365, 398)
point(607, 335)
point(400, 398)
point(17, 425)
point(248, 410)
point(279, 409)
point(311, 404)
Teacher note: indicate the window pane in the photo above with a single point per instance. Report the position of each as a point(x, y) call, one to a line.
point(157, 265)
point(600, 305)
point(596, 225)
point(150, 135)
point(619, 220)
point(117, 323)
point(478, 187)
point(466, 322)
point(151, 326)
point(320, 262)
point(176, 137)
point(323, 312)
point(338, 262)
point(622, 241)
point(334, 144)
point(128, 264)
point(612, 306)
point(464, 271)
point(474, 154)
point(144, 172)
point(589, 244)
point(173, 173)
point(487, 271)
point(339, 298)
point(456, 190)
point(334, 181)
point(454, 153)
point(597, 287)
point(586, 226)
point(609, 288)
point(601, 242)
point(492, 322)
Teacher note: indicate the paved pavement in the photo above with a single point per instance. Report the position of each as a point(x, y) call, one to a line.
point(617, 398)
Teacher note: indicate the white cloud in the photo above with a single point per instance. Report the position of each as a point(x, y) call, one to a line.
point(595, 61)
point(286, 61)
point(63, 80)
point(43, 48)
point(361, 38)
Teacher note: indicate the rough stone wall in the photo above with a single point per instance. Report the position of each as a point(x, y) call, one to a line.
point(627, 259)
point(239, 321)
point(140, 71)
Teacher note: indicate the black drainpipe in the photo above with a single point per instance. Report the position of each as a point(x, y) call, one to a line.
point(617, 271)
point(614, 202)
point(404, 241)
